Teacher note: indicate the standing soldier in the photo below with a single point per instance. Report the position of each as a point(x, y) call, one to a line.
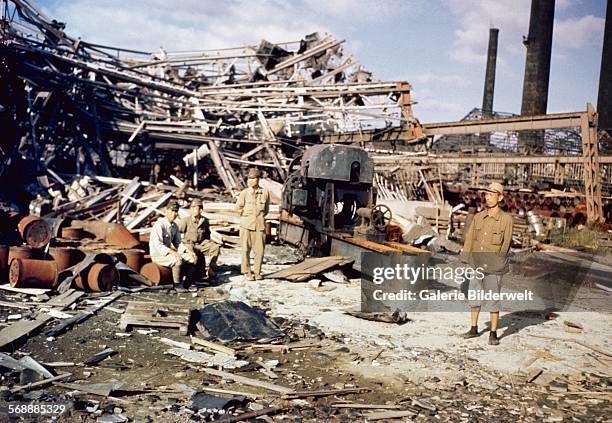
point(195, 233)
point(167, 249)
point(486, 246)
point(253, 204)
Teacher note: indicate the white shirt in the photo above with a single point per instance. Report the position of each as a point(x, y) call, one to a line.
point(163, 235)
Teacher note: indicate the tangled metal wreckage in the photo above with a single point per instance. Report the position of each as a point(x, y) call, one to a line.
point(73, 107)
point(70, 107)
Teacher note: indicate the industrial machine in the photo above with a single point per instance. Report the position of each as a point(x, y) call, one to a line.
point(332, 193)
point(329, 209)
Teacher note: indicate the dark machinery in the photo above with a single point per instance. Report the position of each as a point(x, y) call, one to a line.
point(333, 193)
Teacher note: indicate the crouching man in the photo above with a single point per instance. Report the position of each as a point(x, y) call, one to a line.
point(167, 249)
point(195, 234)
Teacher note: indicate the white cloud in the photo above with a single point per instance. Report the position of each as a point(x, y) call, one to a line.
point(578, 33)
point(356, 10)
point(475, 17)
point(184, 24)
point(194, 24)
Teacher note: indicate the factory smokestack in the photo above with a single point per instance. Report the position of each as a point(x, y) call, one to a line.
point(537, 65)
point(489, 87)
point(604, 99)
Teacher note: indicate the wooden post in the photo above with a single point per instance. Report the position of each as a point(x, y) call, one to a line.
point(590, 154)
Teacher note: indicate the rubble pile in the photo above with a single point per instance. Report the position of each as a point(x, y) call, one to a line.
point(74, 107)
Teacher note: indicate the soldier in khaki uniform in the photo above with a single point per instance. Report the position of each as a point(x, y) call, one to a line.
point(195, 234)
point(487, 243)
point(253, 204)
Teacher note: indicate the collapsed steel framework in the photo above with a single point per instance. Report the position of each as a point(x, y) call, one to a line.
point(67, 103)
point(74, 107)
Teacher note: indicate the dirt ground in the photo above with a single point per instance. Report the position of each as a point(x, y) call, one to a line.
point(421, 365)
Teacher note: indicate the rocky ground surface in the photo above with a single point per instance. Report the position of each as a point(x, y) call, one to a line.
point(419, 369)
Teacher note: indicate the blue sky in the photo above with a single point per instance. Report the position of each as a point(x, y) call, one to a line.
point(439, 46)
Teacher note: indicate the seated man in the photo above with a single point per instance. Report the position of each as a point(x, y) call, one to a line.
point(195, 233)
point(167, 249)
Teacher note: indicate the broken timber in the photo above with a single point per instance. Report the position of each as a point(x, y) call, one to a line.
point(22, 328)
point(248, 381)
point(310, 267)
point(68, 323)
point(156, 315)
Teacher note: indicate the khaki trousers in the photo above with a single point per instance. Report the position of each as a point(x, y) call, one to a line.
point(251, 240)
point(206, 248)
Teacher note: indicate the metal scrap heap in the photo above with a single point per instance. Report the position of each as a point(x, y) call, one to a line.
point(73, 107)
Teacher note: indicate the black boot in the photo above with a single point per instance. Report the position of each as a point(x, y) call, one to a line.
point(472, 333)
point(493, 339)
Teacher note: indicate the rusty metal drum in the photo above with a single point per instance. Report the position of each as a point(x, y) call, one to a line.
point(98, 278)
point(34, 231)
point(158, 275)
point(65, 257)
point(32, 273)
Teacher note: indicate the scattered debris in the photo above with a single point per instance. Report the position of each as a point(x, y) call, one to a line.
point(156, 315)
point(311, 267)
point(235, 320)
point(98, 357)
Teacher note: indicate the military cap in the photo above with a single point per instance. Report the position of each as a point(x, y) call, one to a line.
point(254, 173)
point(172, 205)
point(494, 187)
point(196, 202)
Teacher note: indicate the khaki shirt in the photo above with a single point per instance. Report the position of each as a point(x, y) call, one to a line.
point(163, 236)
point(192, 231)
point(488, 240)
point(253, 205)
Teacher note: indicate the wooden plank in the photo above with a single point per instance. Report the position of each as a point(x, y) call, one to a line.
point(148, 320)
point(22, 328)
point(248, 381)
point(84, 315)
point(310, 267)
point(156, 312)
point(27, 291)
point(533, 375)
point(285, 347)
point(66, 299)
point(147, 212)
point(368, 406)
point(325, 393)
point(140, 322)
point(157, 309)
point(252, 414)
point(229, 392)
point(41, 382)
point(129, 190)
point(15, 305)
point(214, 347)
point(384, 415)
